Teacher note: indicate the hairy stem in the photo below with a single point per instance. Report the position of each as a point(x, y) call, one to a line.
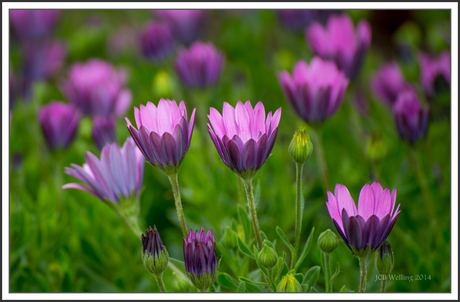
point(180, 212)
point(327, 272)
point(252, 209)
point(161, 284)
point(320, 156)
point(363, 270)
point(384, 284)
point(298, 212)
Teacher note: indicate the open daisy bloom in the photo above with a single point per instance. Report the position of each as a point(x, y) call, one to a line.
point(364, 228)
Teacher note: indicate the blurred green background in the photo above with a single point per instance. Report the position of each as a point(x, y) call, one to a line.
point(69, 241)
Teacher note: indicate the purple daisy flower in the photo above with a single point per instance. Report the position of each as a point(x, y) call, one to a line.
point(156, 41)
point(200, 66)
point(163, 133)
point(103, 131)
point(363, 229)
point(388, 82)
point(340, 42)
point(184, 23)
point(44, 59)
point(200, 258)
point(97, 88)
point(59, 123)
point(297, 19)
point(116, 177)
point(33, 24)
point(316, 91)
point(411, 118)
point(434, 72)
point(243, 137)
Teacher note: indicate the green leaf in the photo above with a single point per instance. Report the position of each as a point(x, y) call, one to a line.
point(241, 288)
point(306, 249)
point(228, 257)
point(313, 290)
point(252, 288)
point(244, 249)
point(177, 261)
point(285, 269)
point(244, 219)
point(299, 277)
point(263, 269)
point(305, 288)
point(254, 282)
point(234, 226)
point(337, 271)
point(312, 275)
point(263, 235)
point(226, 280)
point(343, 289)
point(285, 240)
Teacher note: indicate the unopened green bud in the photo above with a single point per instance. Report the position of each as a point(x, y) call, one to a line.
point(231, 238)
point(301, 147)
point(154, 255)
point(376, 149)
point(180, 285)
point(267, 257)
point(289, 284)
point(384, 259)
point(327, 241)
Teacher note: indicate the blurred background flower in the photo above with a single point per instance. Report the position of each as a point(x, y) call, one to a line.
point(185, 23)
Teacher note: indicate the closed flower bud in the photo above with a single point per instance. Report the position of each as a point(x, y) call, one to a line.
point(180, 285)
point(289, 284)
point(268, 257)
point(154, 254)
point(230, 238)
point(301, 147)
point(327, 241)
point(384, 259)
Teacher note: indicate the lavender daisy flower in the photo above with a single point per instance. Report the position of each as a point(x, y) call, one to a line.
point(200, 258)
point(97, 88)
point(103, 131)
point(185, 24)
point(411, 118)
point(156, 41)
point(434, 72)
point(163, 133)
point(116, 177)
point(316, 91)
point(59, 123)
point(200, 66)
point(243, 137)
point(388, 82)
point(363, 229)
point(340, 42)
point(297, 19)
point(33, 24)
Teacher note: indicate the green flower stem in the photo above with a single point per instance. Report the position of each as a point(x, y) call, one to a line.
point(320, 156)
point(252, 209)
point(180, 212)
point(161, 284)
point(241, 190)
point(384, 284)
point(201, 101)
point(417, 162)
point(298, 212)
point(363, 271)
point(327, 272)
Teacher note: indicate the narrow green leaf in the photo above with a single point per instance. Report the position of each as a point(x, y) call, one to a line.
point(343, 289)
point(226, 280)
point(285, 240)
point(306, 249)
point(177, 262)
point(263, 269)
point(313, 290)
point(226, 254)
point(234, 226)
point(337, 271)
point(241, 288)
point(252, 288)
point(244, 249)
point(311, 276)
point(263, 235)
point(285, 270)
point(244, 219)
point(299, 277)
point(305, 288)
point(254, 282)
